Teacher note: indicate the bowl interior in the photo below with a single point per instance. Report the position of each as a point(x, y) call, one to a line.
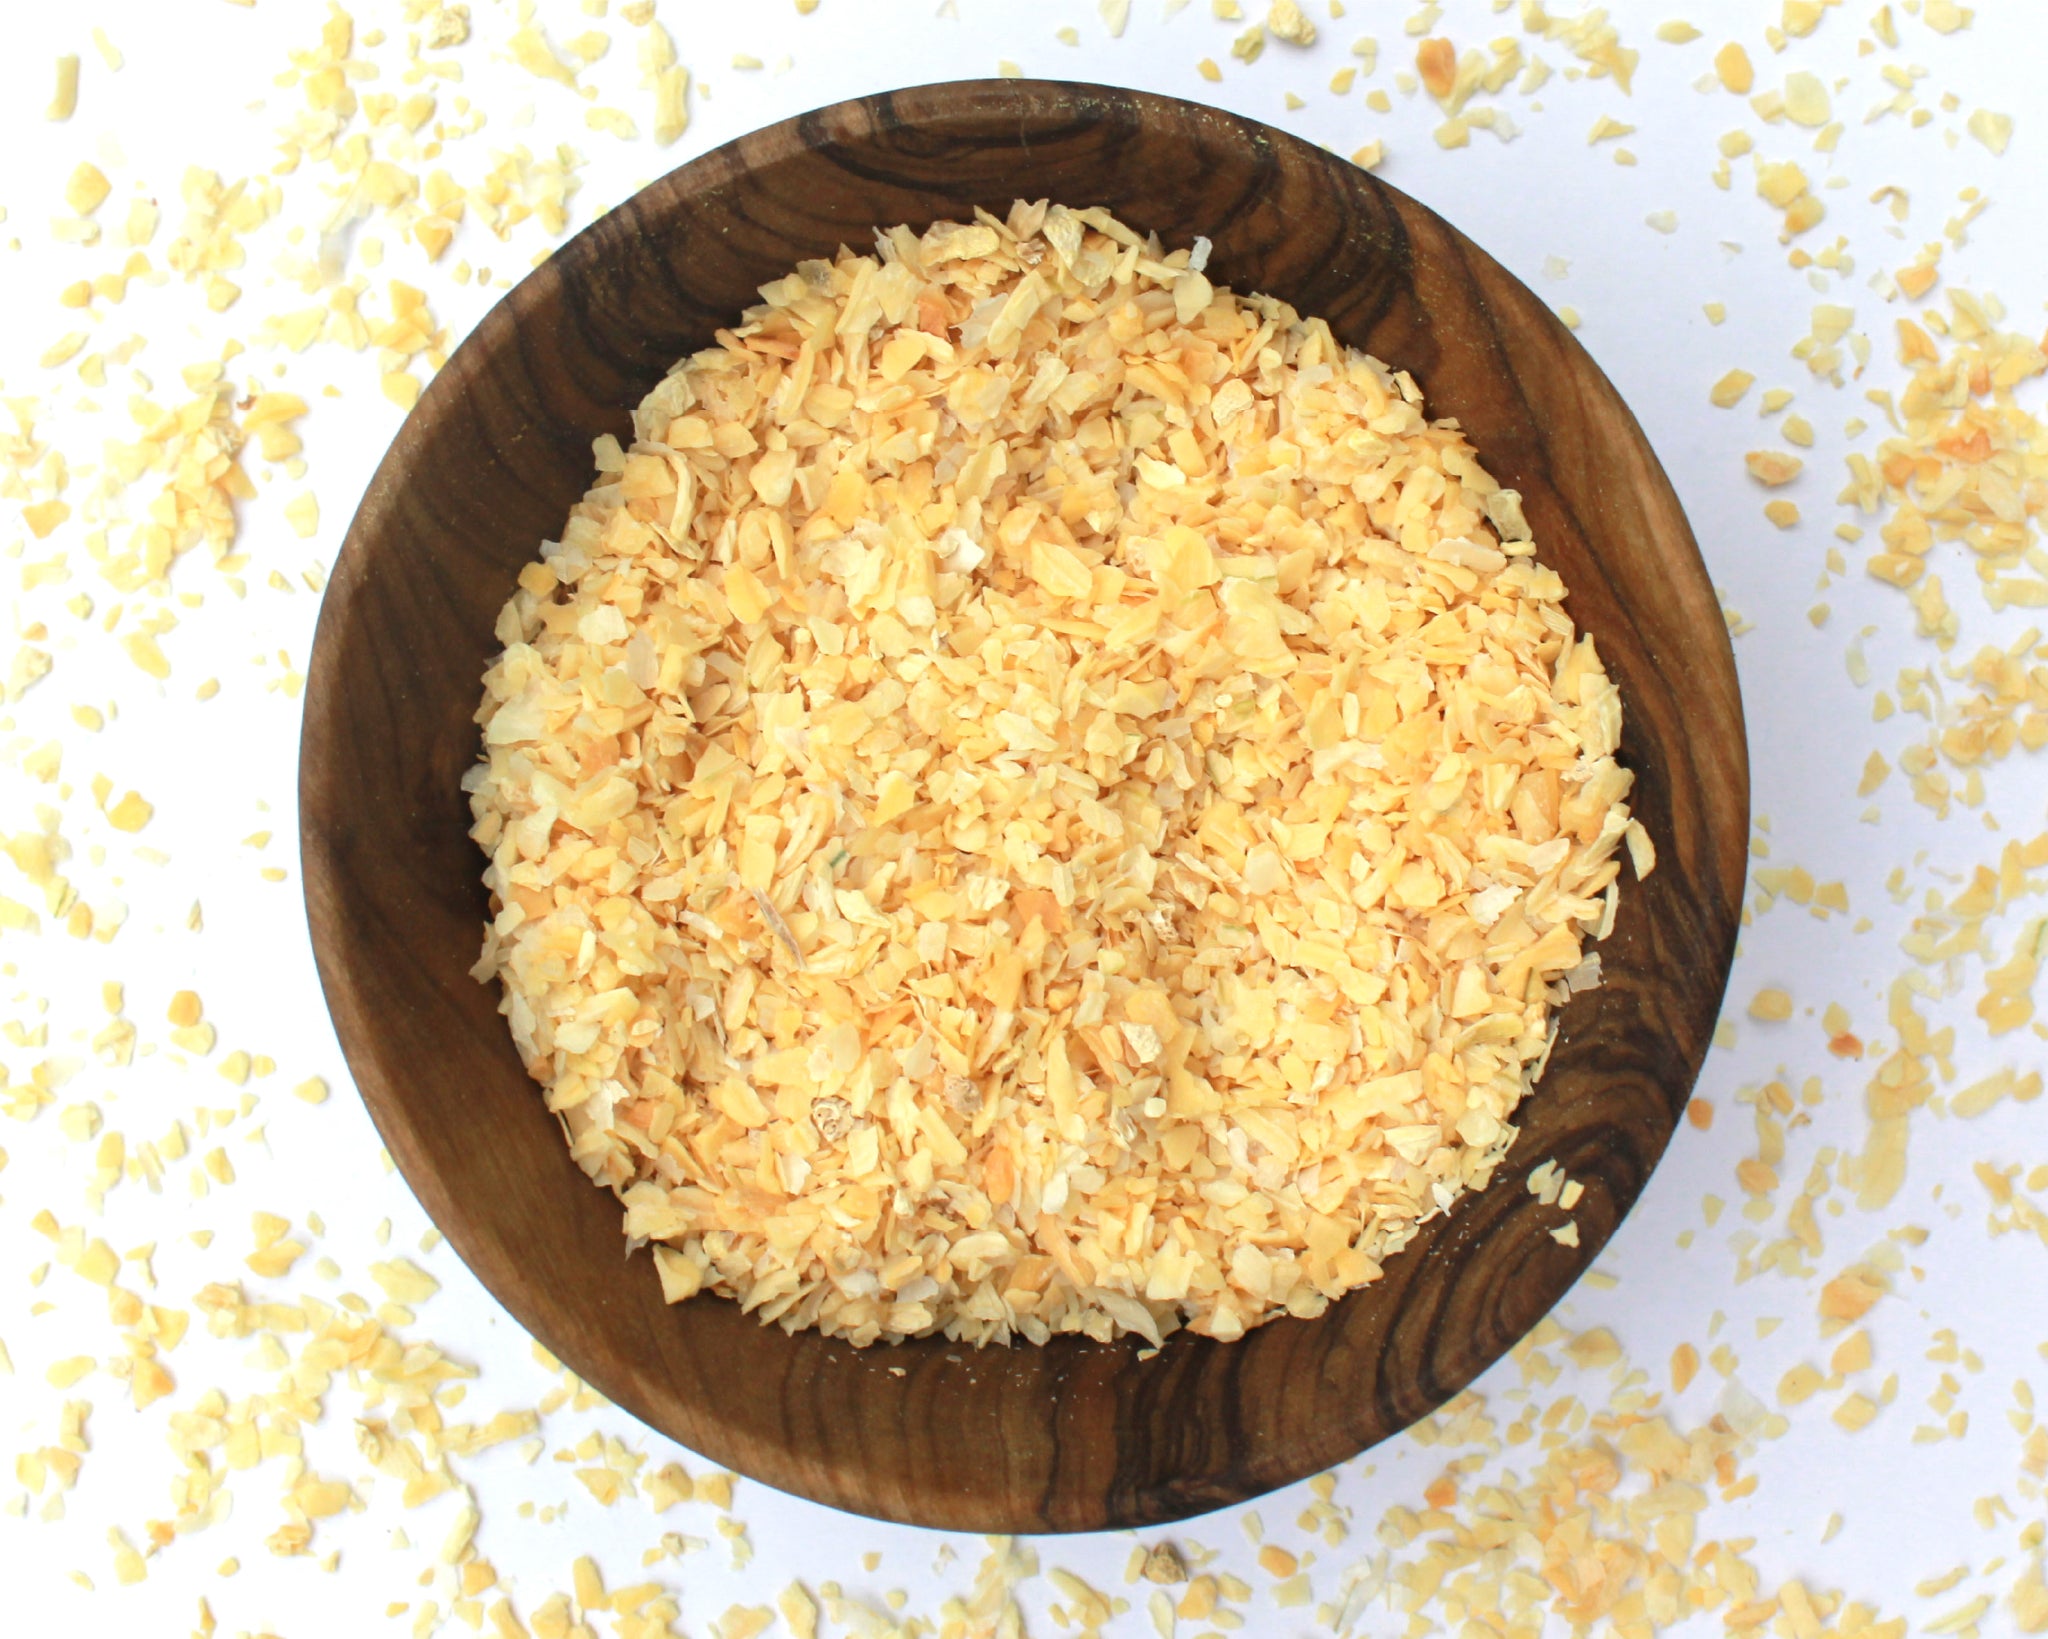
point(1074, 1435)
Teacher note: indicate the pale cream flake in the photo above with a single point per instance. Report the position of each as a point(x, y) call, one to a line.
point(64, 96)
point(1993, 130)
point(1286, 21)
point(1040, 795)
point(668, 79)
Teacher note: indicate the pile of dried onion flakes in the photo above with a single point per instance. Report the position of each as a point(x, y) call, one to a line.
point(1040, 795)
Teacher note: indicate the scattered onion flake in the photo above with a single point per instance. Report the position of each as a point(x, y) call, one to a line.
point(1040, 795)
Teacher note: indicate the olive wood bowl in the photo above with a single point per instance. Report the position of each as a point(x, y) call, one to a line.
point(1074, 1435)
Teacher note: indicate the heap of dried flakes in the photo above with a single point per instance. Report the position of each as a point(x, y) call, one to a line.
point(1967, 461)
point(1039, 795)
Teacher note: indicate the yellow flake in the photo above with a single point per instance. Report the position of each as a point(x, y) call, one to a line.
point(64, 98)
point(1799, 1385)
point(1773, 467)
point(129, 1567)
point(143, 649)
point(799, 1611)
point(61, 351)
point(130, 814)
point(403, 1281)
point(1993, 130)
point(321, 1499)
point(1806, 100)
point(1728, 391)
point(1277, 1562)
point(64, 1373)
point(1286, 21)
point(276, 1259)
point(531, 51)
point(88, 187)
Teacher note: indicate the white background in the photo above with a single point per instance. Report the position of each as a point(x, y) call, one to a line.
point(198, 89)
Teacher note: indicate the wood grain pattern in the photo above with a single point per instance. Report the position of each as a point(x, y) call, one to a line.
point(1074, 1435)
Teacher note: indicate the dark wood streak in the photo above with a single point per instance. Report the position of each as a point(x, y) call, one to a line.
point(1074, 1435)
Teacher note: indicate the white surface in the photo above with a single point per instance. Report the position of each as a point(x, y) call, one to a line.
point(198, 89)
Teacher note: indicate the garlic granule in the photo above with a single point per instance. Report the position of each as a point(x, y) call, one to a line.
point(1040, 795)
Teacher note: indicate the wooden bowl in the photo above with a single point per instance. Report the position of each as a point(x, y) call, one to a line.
point(1074, 1435)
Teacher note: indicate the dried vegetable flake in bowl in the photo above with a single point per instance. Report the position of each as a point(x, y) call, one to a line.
point(1040, 795)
